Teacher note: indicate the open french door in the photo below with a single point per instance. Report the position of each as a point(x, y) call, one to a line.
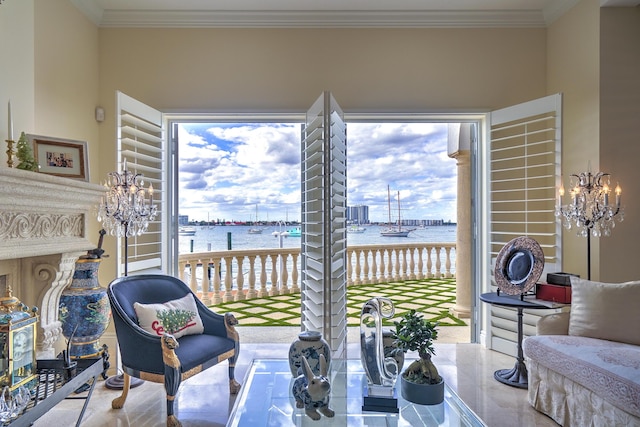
point(523, 170)
point(324, 238)
point(141, 142)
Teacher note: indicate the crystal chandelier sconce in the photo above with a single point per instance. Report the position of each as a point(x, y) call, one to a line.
point(125, 210)
point(590, 207)
point(127, 207)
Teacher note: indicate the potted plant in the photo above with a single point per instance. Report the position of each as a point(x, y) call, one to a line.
point(420, 382)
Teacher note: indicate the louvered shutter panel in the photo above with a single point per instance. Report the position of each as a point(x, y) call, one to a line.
point(324, 240)
point(525, 159)
point(140, 140)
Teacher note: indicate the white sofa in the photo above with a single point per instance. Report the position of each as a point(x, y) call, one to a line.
point(584, 366)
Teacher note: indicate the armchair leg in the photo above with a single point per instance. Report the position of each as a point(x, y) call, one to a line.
point(118, 402)
point(234, 386)
point(172, 376)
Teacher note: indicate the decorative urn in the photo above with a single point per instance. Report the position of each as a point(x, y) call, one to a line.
point(309, 345)
point(84, 308)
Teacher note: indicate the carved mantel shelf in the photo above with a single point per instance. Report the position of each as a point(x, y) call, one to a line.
point(43, 214)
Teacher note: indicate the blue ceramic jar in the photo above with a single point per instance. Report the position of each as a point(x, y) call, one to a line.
point(84, 310)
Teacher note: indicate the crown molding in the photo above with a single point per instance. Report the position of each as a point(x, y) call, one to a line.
point(314, 19)
point(423, 18)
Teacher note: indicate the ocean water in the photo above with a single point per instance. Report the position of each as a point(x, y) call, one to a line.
point(217, 238)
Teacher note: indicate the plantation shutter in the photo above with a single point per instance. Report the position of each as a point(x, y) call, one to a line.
point(140, 141)
point(324, 239)
point(524, 172)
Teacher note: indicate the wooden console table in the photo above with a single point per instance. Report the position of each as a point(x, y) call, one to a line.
point(52, 388)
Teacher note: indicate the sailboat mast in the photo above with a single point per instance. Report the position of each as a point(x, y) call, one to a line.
point(389, 203)
point(399, 224)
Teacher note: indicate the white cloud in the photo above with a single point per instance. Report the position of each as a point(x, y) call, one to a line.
point(226, 169)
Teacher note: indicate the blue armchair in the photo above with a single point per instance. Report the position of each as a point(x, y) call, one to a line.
point(165, 359)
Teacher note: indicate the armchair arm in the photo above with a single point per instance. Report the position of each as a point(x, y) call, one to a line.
point(554, 324)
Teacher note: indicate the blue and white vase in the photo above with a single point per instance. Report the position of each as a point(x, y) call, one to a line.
point(311, 345)
point(84, 310)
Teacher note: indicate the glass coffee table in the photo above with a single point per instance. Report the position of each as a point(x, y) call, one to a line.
point(266, 400)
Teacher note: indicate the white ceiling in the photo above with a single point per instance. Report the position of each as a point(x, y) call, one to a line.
point(328, 13)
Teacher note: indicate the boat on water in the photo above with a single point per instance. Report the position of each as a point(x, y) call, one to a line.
point(294, 232)
point(354, 228)
point(186, 231)
point(254, 229)
point(395, 231)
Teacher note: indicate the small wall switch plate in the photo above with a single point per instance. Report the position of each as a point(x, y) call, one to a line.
point(99, 114)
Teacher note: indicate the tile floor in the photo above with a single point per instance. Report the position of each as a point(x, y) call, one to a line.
point(204, 400)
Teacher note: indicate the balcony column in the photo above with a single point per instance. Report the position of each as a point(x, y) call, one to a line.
point(459, 149)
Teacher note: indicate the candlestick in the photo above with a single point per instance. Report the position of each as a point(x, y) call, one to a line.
point(10, 153)
point(10, 123)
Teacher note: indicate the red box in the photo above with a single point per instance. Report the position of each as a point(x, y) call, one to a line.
point(556, 293)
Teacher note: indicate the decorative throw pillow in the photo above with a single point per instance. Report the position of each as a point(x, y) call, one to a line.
point(605, 310)
point(177, 317)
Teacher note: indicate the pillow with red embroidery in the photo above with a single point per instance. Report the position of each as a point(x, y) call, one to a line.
point(177, 317)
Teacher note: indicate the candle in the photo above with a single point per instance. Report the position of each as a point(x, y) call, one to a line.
point(150, 193)
point(10, 133)
point(618, 195)
point(560, 194)
point(605, 190)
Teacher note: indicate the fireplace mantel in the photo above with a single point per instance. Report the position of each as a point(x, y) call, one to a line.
point(43, 214)
point(43, 231)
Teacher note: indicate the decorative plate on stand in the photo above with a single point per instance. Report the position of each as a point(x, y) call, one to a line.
point(518, 266)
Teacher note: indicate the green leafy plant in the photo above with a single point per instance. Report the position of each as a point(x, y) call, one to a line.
point(25, 155)
point(414, 333)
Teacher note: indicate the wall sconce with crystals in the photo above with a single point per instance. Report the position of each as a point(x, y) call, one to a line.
point(125, 211)
point(590, 209)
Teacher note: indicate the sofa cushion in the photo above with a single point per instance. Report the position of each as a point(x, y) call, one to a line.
point(177, 317)
point(609, 369)
point(605, 310)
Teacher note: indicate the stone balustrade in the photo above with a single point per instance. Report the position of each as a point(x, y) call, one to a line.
point(214, 276)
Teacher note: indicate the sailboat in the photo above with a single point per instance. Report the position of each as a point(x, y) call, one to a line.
point(255, 230)
point(396, 231)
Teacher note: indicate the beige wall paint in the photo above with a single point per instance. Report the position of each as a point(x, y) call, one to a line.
point(287, 69)
point(573, 58)
point(17, 62)
point(620, 134)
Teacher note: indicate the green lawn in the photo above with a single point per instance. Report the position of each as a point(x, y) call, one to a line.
point(431, 297)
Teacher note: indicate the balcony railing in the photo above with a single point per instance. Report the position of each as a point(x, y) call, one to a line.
point(235, 275)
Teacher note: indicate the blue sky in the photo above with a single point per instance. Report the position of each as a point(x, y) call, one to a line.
point(226, 169)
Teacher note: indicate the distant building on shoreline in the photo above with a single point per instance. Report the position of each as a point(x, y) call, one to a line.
point(358, 214)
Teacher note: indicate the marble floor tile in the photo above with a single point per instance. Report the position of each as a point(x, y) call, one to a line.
point(204, 400)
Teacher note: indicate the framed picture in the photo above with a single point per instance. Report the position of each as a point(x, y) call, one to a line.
point(61, 157)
